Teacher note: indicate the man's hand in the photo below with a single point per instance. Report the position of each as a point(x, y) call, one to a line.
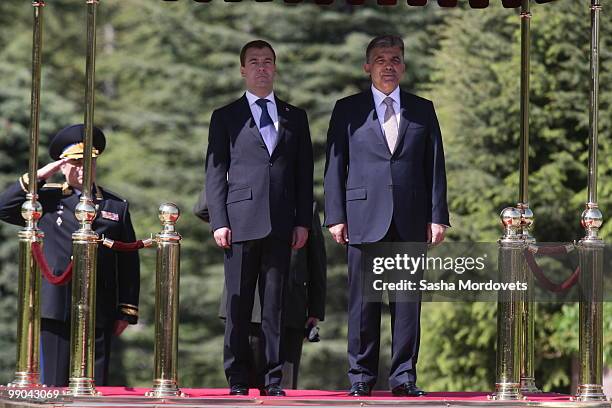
point(300, 236)
point(312, 321)
point(50, 169)
point(119, 327)
point(339, 233)
point(223, 237)
point(435, 233)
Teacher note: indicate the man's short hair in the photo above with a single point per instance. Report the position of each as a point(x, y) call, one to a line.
point(255, 44)
point(384, 41)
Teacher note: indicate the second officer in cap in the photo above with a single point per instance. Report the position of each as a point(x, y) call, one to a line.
point(118, 273)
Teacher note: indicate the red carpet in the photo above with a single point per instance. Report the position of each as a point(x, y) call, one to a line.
point(328, 395)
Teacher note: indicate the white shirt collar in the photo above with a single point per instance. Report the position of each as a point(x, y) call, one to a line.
point(254, 98)
point(379, 97)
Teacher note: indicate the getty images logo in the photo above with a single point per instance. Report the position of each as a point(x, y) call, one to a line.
point(411, 264)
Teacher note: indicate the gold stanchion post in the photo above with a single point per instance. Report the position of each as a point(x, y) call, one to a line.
point(527, 312)
point(591, 249)
point(167, 304)
point(27, 373)
point(85, 245)
point(511, 268)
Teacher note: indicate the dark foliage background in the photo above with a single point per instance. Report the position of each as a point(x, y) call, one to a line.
point(164, 66)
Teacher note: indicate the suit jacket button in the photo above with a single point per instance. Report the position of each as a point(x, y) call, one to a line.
point(270, 164)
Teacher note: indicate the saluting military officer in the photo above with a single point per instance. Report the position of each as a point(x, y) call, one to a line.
point(118, 273)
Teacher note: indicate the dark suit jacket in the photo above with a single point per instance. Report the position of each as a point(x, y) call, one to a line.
point(249, 191)
point(118, 273)
point(367, 187)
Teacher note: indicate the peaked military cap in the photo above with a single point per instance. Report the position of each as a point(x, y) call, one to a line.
point(68, 143)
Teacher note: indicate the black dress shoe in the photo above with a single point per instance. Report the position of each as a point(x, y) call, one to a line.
point(408, 389)
point(239, 389)
point(360, 389)
point(272, 390)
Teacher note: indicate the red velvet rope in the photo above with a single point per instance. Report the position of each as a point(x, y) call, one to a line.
point(544, 281)
point(552, 250)
point(126, 246)
point(40, 259)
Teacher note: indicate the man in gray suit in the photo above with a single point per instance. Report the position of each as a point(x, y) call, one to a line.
point(385, 181)
point(304, 303)
point(259, 169)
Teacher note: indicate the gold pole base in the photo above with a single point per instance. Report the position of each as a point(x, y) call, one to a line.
point(25, 379)
point(81, 387)
point(528, 385)
point(506, 392)
point(589, 392)
point(164, 388)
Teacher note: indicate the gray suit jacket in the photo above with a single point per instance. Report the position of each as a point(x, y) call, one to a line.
point(368, 187)
point(253, 193)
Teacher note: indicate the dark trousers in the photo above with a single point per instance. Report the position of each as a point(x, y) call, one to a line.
point(291, 350)
point(55, 353)
point(266, 260)
point(364, 328)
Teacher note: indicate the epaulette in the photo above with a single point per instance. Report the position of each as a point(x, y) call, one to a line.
point(63, 187)
point(50, 186)
point(100, 192)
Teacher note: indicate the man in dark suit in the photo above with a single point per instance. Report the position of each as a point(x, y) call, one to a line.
point(259, 187)
point(384, 181)
point(118, 274)
point(304, 303)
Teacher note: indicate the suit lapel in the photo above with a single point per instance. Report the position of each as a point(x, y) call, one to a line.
point(283, 111)
point(404, 120)
point(373, 122)
point(246, 116)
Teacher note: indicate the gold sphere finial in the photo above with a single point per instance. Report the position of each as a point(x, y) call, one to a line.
point(169, 213)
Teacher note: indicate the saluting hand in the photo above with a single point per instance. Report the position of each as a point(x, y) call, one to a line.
point(340, 233)
point(50, 169)
point(223, 237)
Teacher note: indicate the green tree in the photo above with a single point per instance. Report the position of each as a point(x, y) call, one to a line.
point(476, 87)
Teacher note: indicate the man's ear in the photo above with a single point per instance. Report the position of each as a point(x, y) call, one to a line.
point(366, 68)
point(242, 71)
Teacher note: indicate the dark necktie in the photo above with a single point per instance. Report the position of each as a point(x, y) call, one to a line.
point(265, 118)
point(268, 134)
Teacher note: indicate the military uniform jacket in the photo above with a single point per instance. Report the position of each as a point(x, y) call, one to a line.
point(118, 273)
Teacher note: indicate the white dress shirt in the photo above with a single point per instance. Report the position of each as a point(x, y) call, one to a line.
point(256, 112)
point(381, 107)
